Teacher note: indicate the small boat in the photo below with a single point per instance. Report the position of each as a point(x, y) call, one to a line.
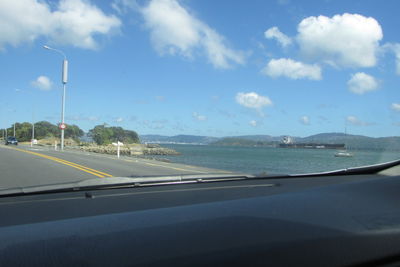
point(343, 153)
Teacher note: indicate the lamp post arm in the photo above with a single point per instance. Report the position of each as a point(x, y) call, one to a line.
point(57, 50)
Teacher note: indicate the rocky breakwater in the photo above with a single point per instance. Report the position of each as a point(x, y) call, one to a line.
point(130, 149)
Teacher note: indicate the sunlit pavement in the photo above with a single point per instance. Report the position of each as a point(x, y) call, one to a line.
point(27, 166)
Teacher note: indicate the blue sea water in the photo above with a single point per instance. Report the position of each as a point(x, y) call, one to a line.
point(269, 160)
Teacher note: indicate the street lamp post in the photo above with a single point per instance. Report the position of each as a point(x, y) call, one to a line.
point(33, 125)
point(64, 82)
point(33, 132)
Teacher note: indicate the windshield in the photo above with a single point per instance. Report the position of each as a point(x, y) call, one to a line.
point(126, 88)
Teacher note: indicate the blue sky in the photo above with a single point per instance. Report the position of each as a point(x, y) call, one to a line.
point(217, 68)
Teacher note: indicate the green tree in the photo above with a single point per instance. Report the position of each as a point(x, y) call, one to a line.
point(43, 129)
point(103, 135)
point(74, 132)
point(23, 131)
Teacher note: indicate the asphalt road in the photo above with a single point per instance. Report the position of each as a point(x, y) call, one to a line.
point(22, 166)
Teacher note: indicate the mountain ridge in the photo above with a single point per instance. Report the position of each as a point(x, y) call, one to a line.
point(351, 141)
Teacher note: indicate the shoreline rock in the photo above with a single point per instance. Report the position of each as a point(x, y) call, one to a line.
point(130, 150)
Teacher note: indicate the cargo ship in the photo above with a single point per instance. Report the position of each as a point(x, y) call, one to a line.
point(288, 142)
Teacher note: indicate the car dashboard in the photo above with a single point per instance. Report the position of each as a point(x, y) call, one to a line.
point(328, 220)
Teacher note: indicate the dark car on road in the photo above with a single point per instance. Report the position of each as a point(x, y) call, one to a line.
point(11, 141)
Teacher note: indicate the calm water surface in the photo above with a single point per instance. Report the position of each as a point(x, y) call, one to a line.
point(257, 160)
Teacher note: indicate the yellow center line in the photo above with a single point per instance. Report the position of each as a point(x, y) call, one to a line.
point(68, 163)
point(76, 167)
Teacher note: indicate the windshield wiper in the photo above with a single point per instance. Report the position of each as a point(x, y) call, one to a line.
point(126, 182)
point(121, 182)
point(369, 169)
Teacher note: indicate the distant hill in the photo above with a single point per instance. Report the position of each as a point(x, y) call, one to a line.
point(182, 139)
point(258, 138)
point(357, 142)
point(152, 138)
point(354, 141)
point(351, 141)
point(195, 139)
point(329, 138)
point(236, 141)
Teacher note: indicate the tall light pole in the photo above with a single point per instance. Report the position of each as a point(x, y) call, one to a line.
point(64, 82)
point(33, 129)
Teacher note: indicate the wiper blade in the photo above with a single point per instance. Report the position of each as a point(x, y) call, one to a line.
point(369, 169)
point(120, 182)
point(123, 182)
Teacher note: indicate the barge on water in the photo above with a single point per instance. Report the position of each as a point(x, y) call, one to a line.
point(288, 142)
point(312, 145)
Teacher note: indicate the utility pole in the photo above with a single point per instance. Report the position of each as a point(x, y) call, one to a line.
point(64, 82)
point(33, 133)
point(33, 126)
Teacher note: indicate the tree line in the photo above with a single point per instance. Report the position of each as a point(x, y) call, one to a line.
point(43, 129)
point(101, 134)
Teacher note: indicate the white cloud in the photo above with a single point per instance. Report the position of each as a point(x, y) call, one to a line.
point(155, 124)
point(396, 106)
point(42, 83)
point(292, 69)
point(174, 30)
point(92, 118)
point(123, 6)
point(119, 119)
point(305, 120)
point(357, 122)
point(361, 83)
point(71, 22)
point(253, 100)
point(348, 40)
point(160, 98)
point(82, 118)
point(395, 48)
point(199, 117)
point(275, 33)
point(253, 123)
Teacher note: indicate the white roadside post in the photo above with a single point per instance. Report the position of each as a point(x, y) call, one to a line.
point(33, 141)
point(118, 145)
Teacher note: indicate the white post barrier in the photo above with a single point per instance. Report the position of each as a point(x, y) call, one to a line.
point(33, 142)
point(118, 144)
point(55, 145)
